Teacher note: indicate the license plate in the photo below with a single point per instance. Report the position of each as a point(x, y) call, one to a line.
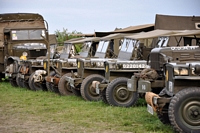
point(149, 109)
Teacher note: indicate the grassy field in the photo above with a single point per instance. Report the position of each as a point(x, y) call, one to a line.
point(23, 110)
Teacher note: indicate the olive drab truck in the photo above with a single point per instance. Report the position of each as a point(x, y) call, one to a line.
point(132, 29)
point(20, 33)
point(177, 69)
point(136, 49)
point(178, 104)
point(29, 66)
point(92, 69)
point(37, 80)
point(64, 66)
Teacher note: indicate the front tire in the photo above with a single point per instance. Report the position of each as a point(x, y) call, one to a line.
point(13, 82)
point(87, 91)
point(76, 91)
point(103, 96)
point(19, 81)
point(117, 93)
point(64, 86)
point(184, 111)
point(52, 73)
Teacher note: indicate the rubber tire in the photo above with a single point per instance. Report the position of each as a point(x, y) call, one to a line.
point(179, 112)
point(13, 83)
point(52, 73)
point(164, 117)
point(111, 95)
point(34, 86)
point(76, 92)
point(26, 85)
point(63, 86)
point(89, 94)
point(19, 81)
point(53, 88)
point(103, 96)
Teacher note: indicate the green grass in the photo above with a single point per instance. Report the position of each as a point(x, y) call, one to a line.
point(45, 111)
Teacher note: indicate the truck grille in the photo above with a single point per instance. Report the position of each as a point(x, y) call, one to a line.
point(36, 53)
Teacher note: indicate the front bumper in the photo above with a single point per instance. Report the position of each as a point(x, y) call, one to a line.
point(155, 102)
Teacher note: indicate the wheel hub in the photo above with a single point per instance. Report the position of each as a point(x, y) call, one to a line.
point(194, 113)
point(191, 113)
point(122, 93)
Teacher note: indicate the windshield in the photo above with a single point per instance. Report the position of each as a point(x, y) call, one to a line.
point(52, 48)
point(86, 47)
point(100, 46)
point(67, 47)
point(128, 45)
point(28, 34)
point(103, 45)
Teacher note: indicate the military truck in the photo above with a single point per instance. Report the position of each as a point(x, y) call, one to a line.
point(67, 62)
point(50, 66)
point(36, 80)
point(113, 88)
point(20, 33)
point(178, 104)
point(131, 29)
point(29, 66)
point(92, 69)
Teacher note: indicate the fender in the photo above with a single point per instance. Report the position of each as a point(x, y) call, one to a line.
point(12, 64)
point(11, 59)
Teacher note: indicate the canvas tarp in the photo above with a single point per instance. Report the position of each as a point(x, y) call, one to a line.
point(52, 39)
point(152, 34)
point(187, 33)
point(168, 22)
point(94, 39)
point(115, 36)
point(131, 29)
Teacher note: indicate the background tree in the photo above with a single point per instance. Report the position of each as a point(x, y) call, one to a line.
point(65, 35)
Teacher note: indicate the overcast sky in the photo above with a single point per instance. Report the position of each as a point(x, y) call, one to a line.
point(87, 16)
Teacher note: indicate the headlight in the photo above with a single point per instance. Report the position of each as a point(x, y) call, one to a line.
point(24, 54)
point(23, 57)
